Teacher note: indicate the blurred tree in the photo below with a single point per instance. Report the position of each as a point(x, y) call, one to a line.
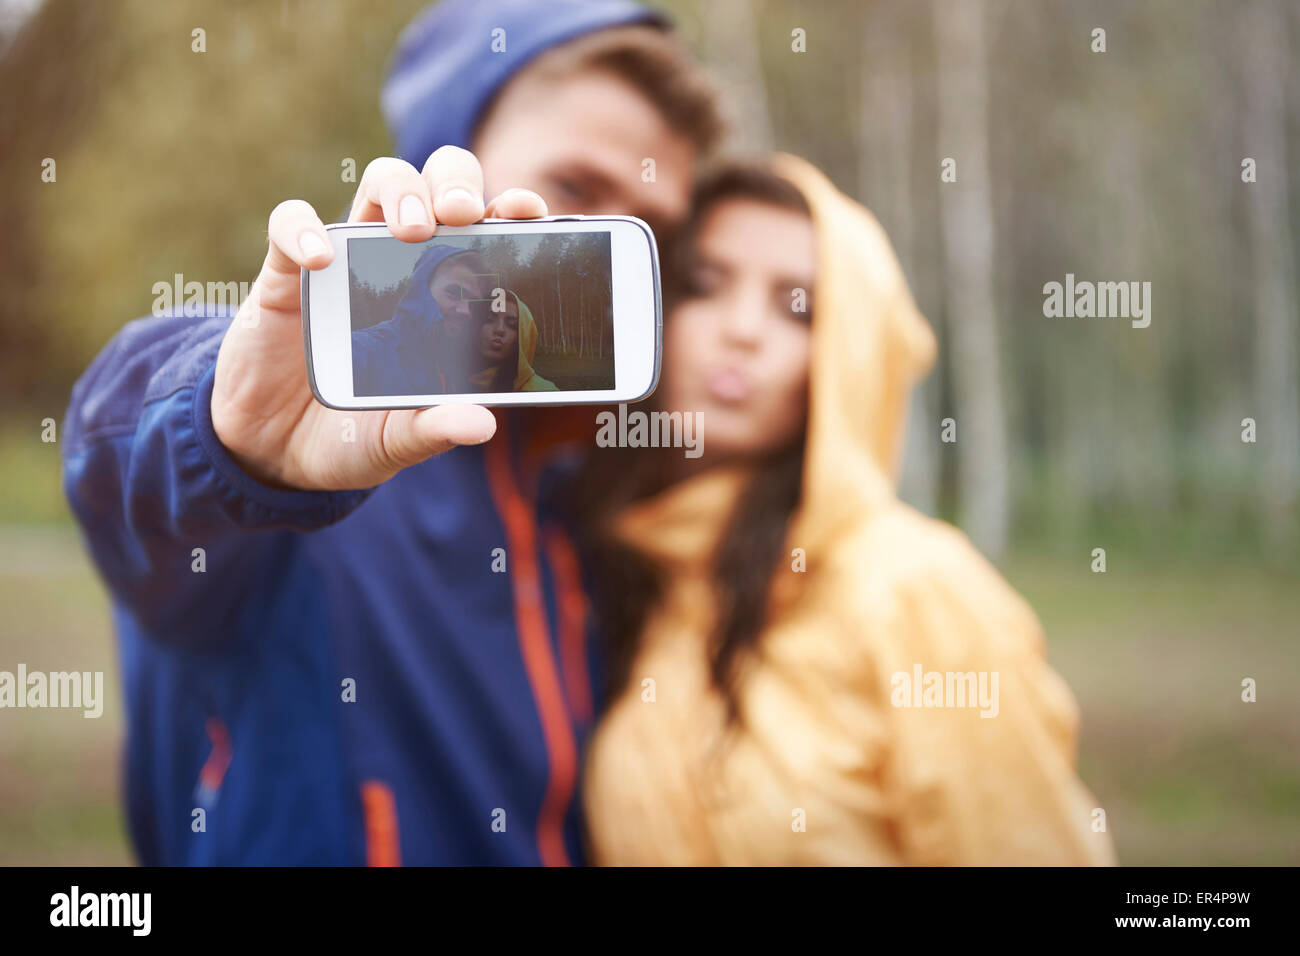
point(54, 73)
point(731, 44)
point(1265, 56)
point(886, 153)
point(968, 243)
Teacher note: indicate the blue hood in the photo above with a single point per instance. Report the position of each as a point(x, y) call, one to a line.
point(418, 304)
point(449, 62)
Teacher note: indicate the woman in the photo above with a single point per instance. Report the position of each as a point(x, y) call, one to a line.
point(771, 602)
point(507, 344)
point(428, 347)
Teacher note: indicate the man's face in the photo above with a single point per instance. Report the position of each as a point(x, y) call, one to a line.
point(452, 285)
point(581, 142)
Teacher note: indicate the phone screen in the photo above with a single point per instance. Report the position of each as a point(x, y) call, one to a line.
point(508, 312)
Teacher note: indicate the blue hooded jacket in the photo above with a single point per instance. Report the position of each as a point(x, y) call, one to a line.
point(403, 355)
point(401, 675)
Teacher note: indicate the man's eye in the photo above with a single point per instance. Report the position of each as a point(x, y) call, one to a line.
point(570, 189)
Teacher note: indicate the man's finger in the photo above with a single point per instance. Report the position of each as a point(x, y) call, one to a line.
point(455, 181)
point(298, 239)
point(517, 204)
point(393, 192)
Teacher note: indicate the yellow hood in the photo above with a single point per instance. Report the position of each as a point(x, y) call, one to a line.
point(526, 379)
point(870, 346)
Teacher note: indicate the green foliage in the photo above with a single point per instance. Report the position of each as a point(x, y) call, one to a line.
point(168, 160)
point(29, 470)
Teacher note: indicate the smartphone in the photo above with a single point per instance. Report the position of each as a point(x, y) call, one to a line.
point(557, 311)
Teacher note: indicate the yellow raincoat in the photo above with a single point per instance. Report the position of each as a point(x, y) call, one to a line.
point(836, 758)
point(526, 379)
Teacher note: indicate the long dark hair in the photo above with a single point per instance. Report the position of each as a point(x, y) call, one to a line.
point(505, 371)
point(626, 585)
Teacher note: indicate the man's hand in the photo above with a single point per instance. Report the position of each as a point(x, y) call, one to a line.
point(263, 410)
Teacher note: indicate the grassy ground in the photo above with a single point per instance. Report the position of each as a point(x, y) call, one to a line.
point(572, 372)
point(58, 769)
point(1186, 771)
point(1156, 654)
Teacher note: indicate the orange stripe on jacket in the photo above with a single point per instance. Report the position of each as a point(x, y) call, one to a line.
point(214, 768)
point(572, 604)
point(535, 646)
point(379, 810)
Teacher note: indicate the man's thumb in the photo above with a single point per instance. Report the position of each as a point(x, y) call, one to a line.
point(431, 431)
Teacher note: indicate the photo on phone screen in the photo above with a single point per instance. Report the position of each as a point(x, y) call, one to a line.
point(509, 312)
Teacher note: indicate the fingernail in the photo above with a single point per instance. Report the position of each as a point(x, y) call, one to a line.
point(411, 212)
point(460, 194)
point(311, 244)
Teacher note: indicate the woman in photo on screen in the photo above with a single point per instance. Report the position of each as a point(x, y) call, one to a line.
point(507, 344)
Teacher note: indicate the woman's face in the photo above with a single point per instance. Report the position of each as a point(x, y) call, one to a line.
point(499, 334)
point(737, 348)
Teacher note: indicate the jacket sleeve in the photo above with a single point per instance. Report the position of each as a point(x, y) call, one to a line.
point(991, 779)
point(178, 530)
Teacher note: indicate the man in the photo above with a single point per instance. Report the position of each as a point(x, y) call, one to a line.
point(335, 648)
